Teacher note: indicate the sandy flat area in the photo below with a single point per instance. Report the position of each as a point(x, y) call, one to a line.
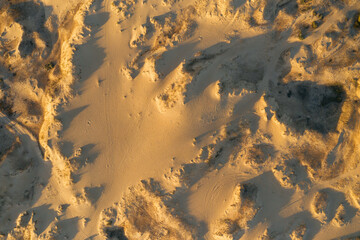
point(179, 119)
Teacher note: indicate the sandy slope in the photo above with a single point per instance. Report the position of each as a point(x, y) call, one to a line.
point(180, 119)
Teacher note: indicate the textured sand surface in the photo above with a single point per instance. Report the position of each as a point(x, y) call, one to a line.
point(179, 119)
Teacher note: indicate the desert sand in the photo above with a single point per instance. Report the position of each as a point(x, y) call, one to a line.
point(179, 119)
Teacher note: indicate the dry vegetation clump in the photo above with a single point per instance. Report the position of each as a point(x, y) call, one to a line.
point(143, 214)
point(258, 155)
point(326, 162)
point(291, 173)
point(174, 92)
point(357, 21)
point(37, 69)
point(25, 228)
point(299, 232)
point(312, 156)
point(305, 5)
point(36, 72)
point(355, 192)
point(320, 203)
point(32, 91)
point(242, 210)
point(124, 9)
point(165, 30)
point(174, 29)
point(8, 142)
point(157, 35)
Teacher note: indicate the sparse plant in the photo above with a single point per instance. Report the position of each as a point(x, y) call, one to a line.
point(339, 91)
point(305, 5)
point(314, 25)
point(301, 35)
point(319, 15)
point(49, 66)
point(357, 21)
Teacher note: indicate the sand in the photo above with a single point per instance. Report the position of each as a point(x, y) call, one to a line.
point(179, 119)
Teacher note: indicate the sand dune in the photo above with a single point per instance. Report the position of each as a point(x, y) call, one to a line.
point(179, 119)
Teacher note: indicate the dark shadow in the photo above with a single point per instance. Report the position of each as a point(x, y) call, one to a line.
point(237, 3)
point(29, 173)
point(93, 193)
point(305, 218)
point(7, 141)
point(67, 117)
point(68, 228)
point(307, 105)
point(216, 161)
point(63, 208)
point(171, 58)
point(4, 73)
point(245, 108)
point(31, 16)
point(75, 177)
point(275, 198)
point(43, 216)
point(196, 66)
point(192, 173)
point(92, 237)
point(331, 157)
point(354, 28)
point(90, 153)
point(273, 7)
point(245, 68)
point(115, 233)
point(334, 199)
point(180, 200)
point(88, 156)
point(66, 148)
point(177, 203)
point(352, 236)
point(275, 195)
point(90, 56)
